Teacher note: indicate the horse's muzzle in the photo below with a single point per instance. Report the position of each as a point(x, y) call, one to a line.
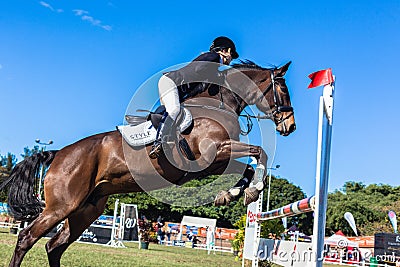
point(285, 131)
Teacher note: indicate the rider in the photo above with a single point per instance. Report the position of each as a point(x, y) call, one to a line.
point(175, 85)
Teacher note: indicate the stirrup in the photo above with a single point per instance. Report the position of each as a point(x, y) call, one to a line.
point(156, 150)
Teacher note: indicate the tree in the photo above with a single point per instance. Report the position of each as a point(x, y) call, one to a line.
point(381, 189)
point(353, 187)
point(3, 174)
point(335, 215)
point(282, 193)
point(151, 207)
point(7, 163)
point(368, 204)
point(30, 151)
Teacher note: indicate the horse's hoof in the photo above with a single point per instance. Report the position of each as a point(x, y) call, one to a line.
point(251, 194)
point(223, 198)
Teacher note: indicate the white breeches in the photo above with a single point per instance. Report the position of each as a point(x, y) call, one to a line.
point(169, 96)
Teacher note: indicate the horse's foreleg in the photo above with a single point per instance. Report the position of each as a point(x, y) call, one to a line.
point(225, 197)
point(74, 226)
point(231, 149)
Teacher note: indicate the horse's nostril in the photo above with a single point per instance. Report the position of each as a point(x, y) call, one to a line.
point(292, 128)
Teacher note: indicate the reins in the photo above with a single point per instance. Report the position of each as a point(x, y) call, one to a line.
point(277, 104)
point(278, 108)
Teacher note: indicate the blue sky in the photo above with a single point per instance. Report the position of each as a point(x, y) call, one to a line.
point(68, 69)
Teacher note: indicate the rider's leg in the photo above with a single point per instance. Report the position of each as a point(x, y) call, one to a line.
point(156, 148)
point(169, 97)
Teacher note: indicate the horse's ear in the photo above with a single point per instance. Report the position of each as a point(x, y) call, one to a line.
point(282, 70)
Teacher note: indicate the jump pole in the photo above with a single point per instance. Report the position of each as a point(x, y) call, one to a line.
point(296, 208)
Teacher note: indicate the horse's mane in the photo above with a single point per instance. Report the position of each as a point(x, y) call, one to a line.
point(243, 64)
point(248, 64)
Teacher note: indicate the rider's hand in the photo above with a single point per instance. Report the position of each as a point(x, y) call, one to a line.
point(226, 56)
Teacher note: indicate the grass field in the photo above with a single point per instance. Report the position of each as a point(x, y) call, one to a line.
point(79, 254)
point(85, 255)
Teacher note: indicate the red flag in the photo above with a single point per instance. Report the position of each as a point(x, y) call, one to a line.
point(321, 77)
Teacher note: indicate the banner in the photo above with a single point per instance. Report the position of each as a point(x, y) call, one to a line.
point(350, 219)
point(131, 230)
point(248, 249)
point(387, 244)
point(393, 220)
point(96, 234)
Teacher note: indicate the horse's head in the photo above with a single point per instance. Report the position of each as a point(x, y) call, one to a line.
point(268, 91)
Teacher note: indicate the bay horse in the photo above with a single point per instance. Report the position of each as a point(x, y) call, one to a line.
point(82, 175)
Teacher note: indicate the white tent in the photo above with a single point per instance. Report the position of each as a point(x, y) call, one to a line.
point(209, 224)
point(198, 222)
point(340, 241)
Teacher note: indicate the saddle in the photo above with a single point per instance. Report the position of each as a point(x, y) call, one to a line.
point(153, 116)
point(142, 130)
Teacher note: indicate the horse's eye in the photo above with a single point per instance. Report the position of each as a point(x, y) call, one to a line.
point(263, 80)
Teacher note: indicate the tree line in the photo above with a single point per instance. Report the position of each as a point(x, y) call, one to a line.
point(369, 204)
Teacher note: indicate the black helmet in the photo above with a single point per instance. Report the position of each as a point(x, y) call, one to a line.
point(224, 42)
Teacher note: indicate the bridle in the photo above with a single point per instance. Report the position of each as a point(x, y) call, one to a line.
point(278, 107)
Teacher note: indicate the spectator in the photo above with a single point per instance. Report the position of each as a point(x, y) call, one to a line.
point(194, 241)
point(168, 232)
point(190, 235)
point(160, 233)
point(210, 241)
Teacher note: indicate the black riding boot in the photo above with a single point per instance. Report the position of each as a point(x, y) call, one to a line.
point(156, 149)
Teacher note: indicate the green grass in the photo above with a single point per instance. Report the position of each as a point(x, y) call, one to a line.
point(85, 255)
point(79, 254)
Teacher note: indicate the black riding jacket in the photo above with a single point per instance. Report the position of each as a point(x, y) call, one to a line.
point(195, 77)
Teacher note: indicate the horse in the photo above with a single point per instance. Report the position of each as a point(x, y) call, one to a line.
point(82, 175)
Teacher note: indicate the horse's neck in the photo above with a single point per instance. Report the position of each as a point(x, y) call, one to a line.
point(210, 108)
point(233, 100)
point(225, 99)
point(210, 103)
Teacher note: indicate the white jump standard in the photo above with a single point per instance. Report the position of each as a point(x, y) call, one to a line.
point(299, 253)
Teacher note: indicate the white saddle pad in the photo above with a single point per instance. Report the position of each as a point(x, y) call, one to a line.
point(145, 133)
point(138, 135)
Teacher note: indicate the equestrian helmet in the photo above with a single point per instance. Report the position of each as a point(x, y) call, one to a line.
point(224, 42)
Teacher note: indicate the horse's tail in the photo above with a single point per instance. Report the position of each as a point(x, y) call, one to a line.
point(22, 199)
